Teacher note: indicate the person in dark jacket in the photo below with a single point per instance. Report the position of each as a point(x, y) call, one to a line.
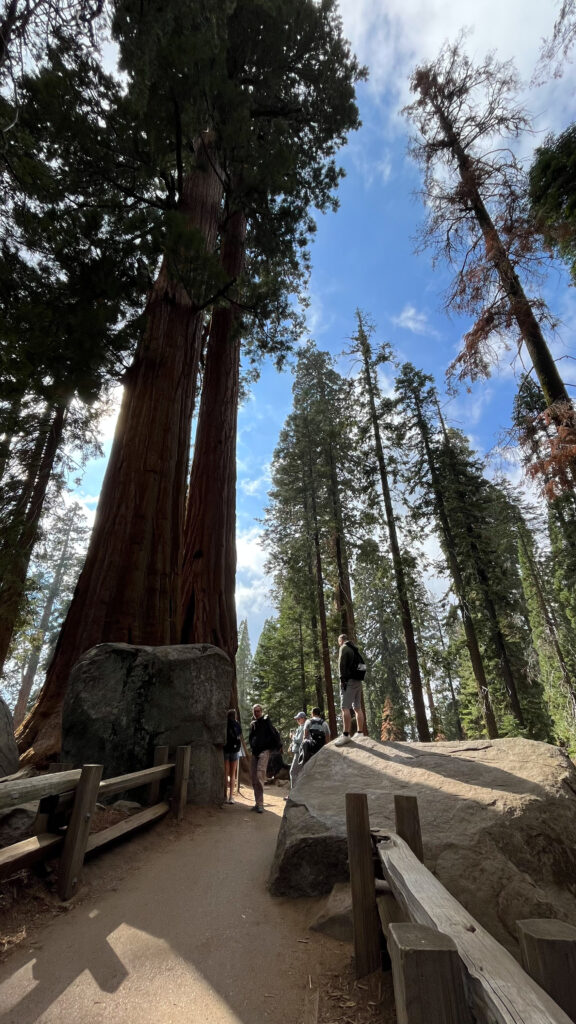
point(351, 691)
point(232, 749)
point(262, 738)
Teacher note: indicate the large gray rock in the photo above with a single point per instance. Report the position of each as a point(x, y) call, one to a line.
point(8, 748)
point(124, 700)
point(498, 823)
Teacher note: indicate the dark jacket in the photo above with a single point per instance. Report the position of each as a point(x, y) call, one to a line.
point(346, 661)
point(233, 737)
point(262, 736)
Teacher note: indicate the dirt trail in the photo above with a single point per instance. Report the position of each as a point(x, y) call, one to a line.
point(187, 933)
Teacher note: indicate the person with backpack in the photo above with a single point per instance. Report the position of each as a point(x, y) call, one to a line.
point(232, 754)
point(316, 736)
point(262, 738)
point(352, 670)
point(296, 746)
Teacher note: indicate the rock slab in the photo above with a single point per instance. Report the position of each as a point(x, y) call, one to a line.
point(498, 823)
point(123, 700)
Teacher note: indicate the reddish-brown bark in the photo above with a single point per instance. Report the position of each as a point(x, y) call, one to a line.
point(129, 589)
point(209, 566)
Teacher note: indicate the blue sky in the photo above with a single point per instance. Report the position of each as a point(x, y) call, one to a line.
point(363, 255)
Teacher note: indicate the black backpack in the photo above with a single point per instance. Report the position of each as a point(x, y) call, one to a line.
point(314, 743)
point(233, 741)
point(358, 665)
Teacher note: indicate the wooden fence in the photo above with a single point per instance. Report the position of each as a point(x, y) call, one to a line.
point(447, 969)
point(71, 797)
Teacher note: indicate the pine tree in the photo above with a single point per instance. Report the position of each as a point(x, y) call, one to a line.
point(474, 191)
point(361, 347)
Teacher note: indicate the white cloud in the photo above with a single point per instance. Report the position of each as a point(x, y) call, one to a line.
point(258, 485)
point(252, 583)
point(410, 319)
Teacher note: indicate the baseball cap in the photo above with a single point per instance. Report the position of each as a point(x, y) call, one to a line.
point(301, 714)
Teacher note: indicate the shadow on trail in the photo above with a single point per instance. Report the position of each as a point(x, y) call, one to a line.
point(193, 924)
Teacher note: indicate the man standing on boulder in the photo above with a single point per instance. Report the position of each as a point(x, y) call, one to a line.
point(263, 738)
point(350, 689)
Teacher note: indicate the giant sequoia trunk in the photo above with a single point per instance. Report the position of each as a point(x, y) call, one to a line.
point(14, 578)
point(129, 589)
point(209, 567)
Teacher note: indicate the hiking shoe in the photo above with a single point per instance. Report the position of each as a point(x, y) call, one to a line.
point(359, 736)
point(230, 800)
point(259, 809)
point(342, 740)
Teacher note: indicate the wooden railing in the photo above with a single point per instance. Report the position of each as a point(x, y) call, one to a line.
point(447, 969)
point(72, 796)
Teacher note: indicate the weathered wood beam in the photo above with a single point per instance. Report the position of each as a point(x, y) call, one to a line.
point(427, 974)
point(548, 951)
point(364, 911)
point(27, 852)
point(122, 828)
point(498, 989)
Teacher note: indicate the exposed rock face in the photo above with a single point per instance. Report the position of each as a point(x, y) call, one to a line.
point(122, 701)
point(498, 823)
point(8, 748)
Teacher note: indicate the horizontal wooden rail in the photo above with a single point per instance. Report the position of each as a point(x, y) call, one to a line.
point(499, 990)
point(120, 783)
point(23, 791)
point(27, 852)
point(122, 828)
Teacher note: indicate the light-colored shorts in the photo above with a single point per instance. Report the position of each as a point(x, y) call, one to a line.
point(235, 756)
point(352, 695)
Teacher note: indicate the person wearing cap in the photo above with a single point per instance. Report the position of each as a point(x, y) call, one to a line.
point(295, 746)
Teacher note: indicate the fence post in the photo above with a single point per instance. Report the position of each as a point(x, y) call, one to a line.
point(364, 911)
point(181, 777)
point(408, 823)
point(427, 975)
point(160, 757)
point(548, 952)
point(77, 832)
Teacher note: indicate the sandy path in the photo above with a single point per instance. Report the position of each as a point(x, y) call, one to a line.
point(189, 933)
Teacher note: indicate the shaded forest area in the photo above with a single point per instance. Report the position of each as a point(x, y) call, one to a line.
point(156, 231)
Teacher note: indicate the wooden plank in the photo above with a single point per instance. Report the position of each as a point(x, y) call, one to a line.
point(45, 815)
point(498, 989)
point(120, 783)
point(77, 832)
point(364, 911)
point(24, 791)
point(427, 975)
point(389, 911)
point(28, 851)
point(160, 757)
point(548, 951)
point(408, 823)
point(122, 828)
point(181, 779)
point(311, 1006)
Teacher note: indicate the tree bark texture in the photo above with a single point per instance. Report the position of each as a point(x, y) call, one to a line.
point(209, 565)
point(129, 589)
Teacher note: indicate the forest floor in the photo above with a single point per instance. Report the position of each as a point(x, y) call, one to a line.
point(176, 924)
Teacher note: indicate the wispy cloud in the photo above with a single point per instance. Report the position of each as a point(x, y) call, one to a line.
point(257, 485)
point(411, 319)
